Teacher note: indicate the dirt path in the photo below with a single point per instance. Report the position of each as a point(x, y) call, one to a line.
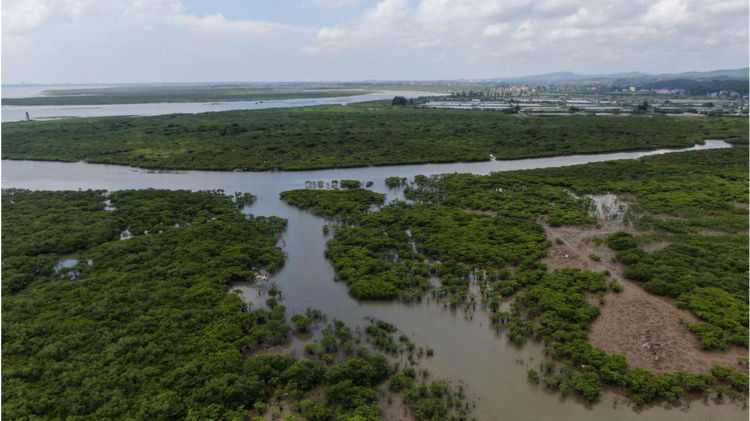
point(645, 328)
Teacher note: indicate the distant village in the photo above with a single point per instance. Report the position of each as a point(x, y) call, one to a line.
point(539, 100)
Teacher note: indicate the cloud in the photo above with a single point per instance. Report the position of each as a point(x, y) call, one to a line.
point(429, 39)
point(219, 24)
point(24, 16)
point(621, 30)
point(388, 19)
point(335, 3)
point(495, 30)
point(668, 13)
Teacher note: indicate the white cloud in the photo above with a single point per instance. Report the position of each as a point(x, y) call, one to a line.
point(623, 31)
point(525, 31)
point(335, 3)
point(219, 24)
point(432, 39)
point(384, 21)
point(495, 30)
point(668, 13)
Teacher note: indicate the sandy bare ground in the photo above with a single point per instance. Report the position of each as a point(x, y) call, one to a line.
point(645, 328)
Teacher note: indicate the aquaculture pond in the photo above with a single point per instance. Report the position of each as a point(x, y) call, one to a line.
point(466, 346)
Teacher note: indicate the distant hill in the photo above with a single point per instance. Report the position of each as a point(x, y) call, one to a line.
point(566, 77)
point(560, 77)
point(731, 73)
point(700, 87)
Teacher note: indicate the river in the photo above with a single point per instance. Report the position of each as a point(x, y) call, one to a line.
point(54, 112)
point(492, 369)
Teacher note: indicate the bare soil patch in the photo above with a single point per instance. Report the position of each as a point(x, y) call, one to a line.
point(646, 328)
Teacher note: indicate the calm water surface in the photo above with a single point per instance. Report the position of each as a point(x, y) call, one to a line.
point(466, 347)
point(44, 112)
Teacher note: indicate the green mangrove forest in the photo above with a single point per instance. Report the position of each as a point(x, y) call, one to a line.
point(345, 204)
point(146, 328)
point(462, 229)
point(356, 135)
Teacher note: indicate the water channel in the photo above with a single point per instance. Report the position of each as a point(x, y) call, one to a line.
point(467, 348)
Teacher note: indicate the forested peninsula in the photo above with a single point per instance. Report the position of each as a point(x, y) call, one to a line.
point(356, 135)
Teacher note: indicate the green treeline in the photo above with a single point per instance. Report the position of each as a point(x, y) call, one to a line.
point(159, 94)
point(357, 135)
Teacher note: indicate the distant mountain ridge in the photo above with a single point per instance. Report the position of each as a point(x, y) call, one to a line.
point(558, 77)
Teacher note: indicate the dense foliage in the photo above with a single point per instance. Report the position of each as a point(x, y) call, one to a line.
point(346, 204)
point(383, 256)
point(154, 94)
point(356, 135)
point(503, 194)
point(708, 275)
point(555, 310)
point(148, 331)
point(698, 190)
point(40, 225)
point(701, 189)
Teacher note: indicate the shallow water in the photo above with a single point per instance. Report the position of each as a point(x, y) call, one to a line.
point(493, 369)
point(44, 112)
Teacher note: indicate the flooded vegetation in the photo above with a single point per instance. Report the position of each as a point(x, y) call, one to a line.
point(498, 375)
point(381, 258)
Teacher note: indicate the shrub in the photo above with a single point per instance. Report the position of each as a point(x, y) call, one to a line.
point(620, 241)
point(350, 184)
point(615, 286)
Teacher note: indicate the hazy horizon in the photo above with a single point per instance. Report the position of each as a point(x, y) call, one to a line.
point(187, 41)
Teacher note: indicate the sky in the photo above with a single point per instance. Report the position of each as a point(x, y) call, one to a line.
point(147, 41)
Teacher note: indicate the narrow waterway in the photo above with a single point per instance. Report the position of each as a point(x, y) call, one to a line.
point(492, 369)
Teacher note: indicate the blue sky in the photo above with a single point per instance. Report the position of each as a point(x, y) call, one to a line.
point(134, 41)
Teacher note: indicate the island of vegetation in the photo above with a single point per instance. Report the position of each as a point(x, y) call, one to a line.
point(172, 93)
point(146, 328)
point(345, 204)
point(490, 230)
point(356, 135)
